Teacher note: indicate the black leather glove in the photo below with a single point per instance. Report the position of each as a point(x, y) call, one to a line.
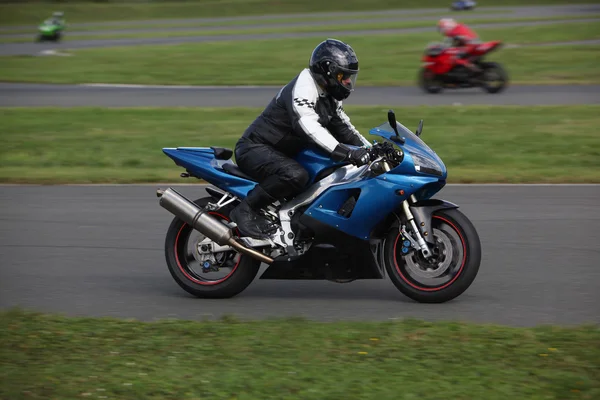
point(359, 156)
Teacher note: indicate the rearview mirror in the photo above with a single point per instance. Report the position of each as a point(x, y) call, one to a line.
point(394, 125)
point(392, 121)
point(419, 128)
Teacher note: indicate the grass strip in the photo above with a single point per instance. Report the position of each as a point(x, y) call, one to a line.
point(52, 356)
point(385, 60)
point(247, 21)
point(513, 144)
point(330, 27)
point(19, 13)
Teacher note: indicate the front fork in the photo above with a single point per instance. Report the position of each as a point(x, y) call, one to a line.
point(416, 238)
point(418, 242)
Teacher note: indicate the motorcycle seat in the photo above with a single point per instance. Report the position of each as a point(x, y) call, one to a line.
point(234, 170)
point(222, 153)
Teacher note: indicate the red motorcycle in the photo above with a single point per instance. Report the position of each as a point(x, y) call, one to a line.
point(440, 68)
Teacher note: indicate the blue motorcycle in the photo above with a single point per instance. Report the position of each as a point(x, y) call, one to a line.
point(463, 5)
point(350, 223)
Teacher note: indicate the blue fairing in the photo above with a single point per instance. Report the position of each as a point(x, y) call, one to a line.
point(201, 162)
point(419, 158)
point(315, 161)
point(421, 173)
point(377, 198)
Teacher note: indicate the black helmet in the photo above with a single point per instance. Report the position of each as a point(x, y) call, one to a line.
point(334, 66)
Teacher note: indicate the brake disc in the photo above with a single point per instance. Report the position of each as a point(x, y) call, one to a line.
point(443, 258)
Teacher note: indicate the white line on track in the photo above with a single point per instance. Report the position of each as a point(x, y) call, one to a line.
point(135, 86)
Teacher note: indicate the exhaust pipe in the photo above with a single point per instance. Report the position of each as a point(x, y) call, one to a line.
point(199, 219)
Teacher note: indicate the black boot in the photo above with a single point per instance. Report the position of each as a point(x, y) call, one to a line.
point(249, 221)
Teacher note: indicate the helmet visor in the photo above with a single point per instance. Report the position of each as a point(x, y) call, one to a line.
point(347, 78)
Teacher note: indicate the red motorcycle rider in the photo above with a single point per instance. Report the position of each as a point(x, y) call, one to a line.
point(463, 38)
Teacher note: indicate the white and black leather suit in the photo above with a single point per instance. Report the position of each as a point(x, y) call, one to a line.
point(301, 115)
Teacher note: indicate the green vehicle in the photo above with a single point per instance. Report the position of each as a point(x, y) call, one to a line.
point(52, 28)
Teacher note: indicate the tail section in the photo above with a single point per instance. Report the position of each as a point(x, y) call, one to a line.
point(213, 165)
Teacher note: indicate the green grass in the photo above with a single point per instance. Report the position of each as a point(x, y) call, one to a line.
point(290, 18)
point(32, 13)
point(550, 144)
point(385, 60)
point(311, 28)
point(51, 356)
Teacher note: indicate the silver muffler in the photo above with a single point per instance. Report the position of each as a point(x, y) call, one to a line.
point(199, 219)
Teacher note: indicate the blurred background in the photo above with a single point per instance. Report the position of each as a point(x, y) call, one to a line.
point(91, 91)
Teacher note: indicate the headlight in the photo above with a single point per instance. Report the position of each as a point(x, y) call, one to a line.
point(426, 164)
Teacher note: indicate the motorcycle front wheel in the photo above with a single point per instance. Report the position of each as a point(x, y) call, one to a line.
point(428, 81)
point(449, 272)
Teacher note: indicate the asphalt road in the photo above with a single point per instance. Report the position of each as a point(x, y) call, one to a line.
point(12, 49)
point(99, 251)
point(354, 18)
point(127, 96)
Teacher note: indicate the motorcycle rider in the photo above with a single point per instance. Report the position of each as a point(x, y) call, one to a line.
point(463, 38)
point(57, 18)
point(307, 111)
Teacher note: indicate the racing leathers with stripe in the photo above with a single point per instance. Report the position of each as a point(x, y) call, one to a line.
point(301, 115)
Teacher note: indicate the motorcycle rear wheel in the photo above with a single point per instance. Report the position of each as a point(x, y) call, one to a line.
point(187, 271)
point(493, 69)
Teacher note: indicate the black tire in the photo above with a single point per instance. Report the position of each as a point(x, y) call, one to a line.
point(427, 84)
point(461, 272)
point(497, 70)
point(176, 241)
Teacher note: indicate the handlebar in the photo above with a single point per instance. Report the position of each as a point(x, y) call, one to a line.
point(387, 151)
